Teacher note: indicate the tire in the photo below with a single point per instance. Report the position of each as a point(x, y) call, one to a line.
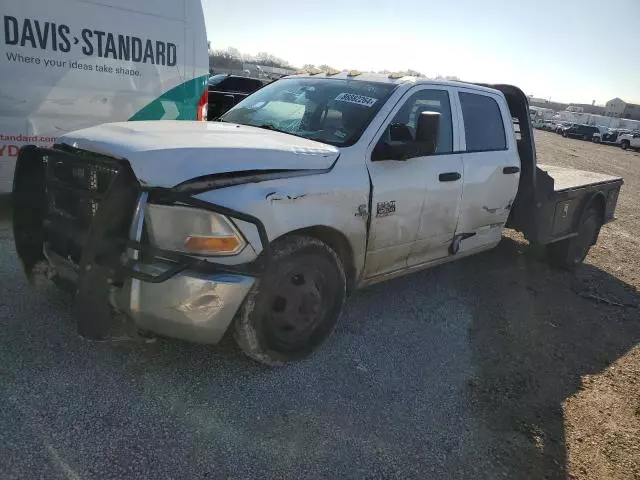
point(595, 140)
point(295, 306)
point(624, 144)
point(570, 253)
point(585, 138)
point(564, 134)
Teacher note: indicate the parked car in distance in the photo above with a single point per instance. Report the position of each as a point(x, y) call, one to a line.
point(541, 124)
point(226, 90)
point(584, 132)
point(611, 136)
point(548, 125)
point(561, 126)
point(630, 140)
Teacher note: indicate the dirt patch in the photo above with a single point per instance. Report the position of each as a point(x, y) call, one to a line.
point(556, 355)
point(603, 423)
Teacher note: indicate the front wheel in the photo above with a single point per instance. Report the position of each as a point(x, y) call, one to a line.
point(625, 144)
point(294, 307)
point(570, 253)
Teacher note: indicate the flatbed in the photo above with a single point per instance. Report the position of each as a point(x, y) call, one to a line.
point(569, 179)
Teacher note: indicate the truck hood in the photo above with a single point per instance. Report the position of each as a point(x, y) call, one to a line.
point(167, 153)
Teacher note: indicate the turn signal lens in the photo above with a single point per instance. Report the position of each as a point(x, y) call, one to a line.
point(217, 244)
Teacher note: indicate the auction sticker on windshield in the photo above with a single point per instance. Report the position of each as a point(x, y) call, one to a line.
point(357, 99)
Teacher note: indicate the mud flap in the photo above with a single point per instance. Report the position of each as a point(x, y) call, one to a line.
point(92, 309)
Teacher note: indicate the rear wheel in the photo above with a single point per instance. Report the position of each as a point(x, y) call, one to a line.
point(294, 307)
point(625, 144)
point(570, 253)
point(595, 139)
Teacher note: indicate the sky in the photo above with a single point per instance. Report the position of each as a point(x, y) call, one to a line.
point(566, 50)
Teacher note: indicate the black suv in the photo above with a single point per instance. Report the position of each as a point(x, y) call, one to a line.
point(227, 90)
point(584, 132)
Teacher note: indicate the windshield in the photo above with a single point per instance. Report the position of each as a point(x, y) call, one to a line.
point(333, 111)
point(216, 79)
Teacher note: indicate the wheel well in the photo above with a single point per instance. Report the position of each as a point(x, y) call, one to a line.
point(339, 243)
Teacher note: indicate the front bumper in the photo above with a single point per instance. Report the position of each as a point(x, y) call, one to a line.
point(100, 250)
point(189, 306)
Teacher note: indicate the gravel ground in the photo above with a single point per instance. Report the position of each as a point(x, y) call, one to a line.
point(492, 367)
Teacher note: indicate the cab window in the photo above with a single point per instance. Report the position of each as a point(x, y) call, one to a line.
point(427, 100)
point(483, 125)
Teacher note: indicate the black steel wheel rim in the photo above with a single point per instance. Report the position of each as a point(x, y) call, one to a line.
point(298, 304)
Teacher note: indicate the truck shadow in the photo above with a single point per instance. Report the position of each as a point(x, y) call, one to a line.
point(535, 332)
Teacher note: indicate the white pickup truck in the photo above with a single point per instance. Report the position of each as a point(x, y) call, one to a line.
point(265, 220)
point(629, 140)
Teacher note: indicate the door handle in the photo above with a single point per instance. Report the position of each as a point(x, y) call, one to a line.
point(449, 177)
point(510, 170)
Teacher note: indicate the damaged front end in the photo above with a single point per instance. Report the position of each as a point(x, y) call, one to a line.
point(79, 221)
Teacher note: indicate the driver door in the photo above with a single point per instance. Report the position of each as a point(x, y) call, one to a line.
point(404, 229)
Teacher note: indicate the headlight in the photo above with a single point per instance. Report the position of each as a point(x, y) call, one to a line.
point(191, 230)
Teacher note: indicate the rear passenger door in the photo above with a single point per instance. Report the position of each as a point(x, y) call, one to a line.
point(491, 168)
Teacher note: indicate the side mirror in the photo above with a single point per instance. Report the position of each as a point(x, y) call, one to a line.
point(427, 131)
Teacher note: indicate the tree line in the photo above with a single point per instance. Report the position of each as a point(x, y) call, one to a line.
point(232, 58)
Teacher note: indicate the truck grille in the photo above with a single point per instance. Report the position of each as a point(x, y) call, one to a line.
point(75, 185)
